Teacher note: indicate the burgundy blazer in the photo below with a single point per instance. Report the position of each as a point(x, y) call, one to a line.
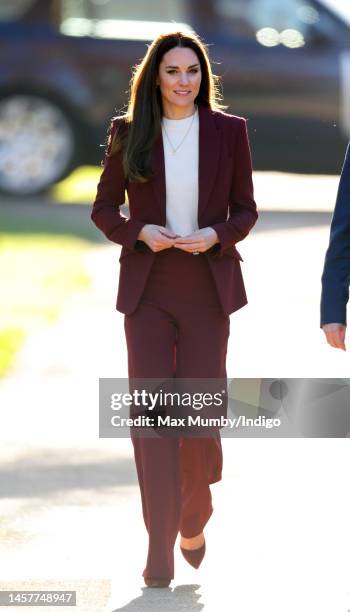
point(225, 202)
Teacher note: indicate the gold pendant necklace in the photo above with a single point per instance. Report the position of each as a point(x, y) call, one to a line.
point(175, 149)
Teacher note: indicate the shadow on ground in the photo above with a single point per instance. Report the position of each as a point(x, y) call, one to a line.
point(37, 477)
point(182, 597)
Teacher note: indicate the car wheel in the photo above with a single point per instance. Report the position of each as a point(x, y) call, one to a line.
point(37, 144)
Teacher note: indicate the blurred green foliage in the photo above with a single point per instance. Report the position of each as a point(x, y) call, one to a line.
point(37, 274)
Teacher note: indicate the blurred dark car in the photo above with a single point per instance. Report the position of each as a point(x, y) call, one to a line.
point(65, 68)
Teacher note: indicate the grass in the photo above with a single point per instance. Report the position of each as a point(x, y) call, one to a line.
point(11, 340)
point(41, 252)
point(37, 274)
point(79, 186)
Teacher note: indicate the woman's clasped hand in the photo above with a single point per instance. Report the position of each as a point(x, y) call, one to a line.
point(159, 238)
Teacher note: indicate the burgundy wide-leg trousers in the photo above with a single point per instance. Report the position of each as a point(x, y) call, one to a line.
point(178, 330)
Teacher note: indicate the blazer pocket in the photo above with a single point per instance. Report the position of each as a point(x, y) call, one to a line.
point(232, 252)
point(140, 247)
point(125, 253)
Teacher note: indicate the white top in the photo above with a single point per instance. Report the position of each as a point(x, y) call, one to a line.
point(181, 174)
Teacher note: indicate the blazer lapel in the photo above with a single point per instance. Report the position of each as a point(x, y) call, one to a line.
point(208, 162)
point(209, 155)
point(158, 180)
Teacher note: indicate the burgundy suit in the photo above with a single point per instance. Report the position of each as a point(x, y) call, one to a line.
point(225, 186)
point(176, 308)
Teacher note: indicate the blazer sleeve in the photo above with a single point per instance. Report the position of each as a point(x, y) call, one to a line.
point(110, 196)
point(336, 272)
point(242, 207)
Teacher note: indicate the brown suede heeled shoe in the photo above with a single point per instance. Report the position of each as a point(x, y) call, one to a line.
point(157, 582)
point(195, 556)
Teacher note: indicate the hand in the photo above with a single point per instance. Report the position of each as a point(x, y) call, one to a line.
point(157, 237)
point(201, 240)
point(335, 334)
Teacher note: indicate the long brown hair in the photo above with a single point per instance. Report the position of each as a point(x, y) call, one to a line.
point(144, 113)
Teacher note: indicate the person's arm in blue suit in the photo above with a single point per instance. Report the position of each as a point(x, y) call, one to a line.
point(336, 271)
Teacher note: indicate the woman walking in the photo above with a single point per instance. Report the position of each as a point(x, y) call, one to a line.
point(187, 170)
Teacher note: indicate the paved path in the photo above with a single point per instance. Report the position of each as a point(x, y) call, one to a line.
point(70, 507)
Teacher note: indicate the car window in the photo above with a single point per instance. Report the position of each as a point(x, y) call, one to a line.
point(272, 22)
point(10, 10)
point(120, 19)
point(340, 7)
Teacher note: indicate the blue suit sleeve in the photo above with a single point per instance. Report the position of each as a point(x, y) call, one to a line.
point(336, 272)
